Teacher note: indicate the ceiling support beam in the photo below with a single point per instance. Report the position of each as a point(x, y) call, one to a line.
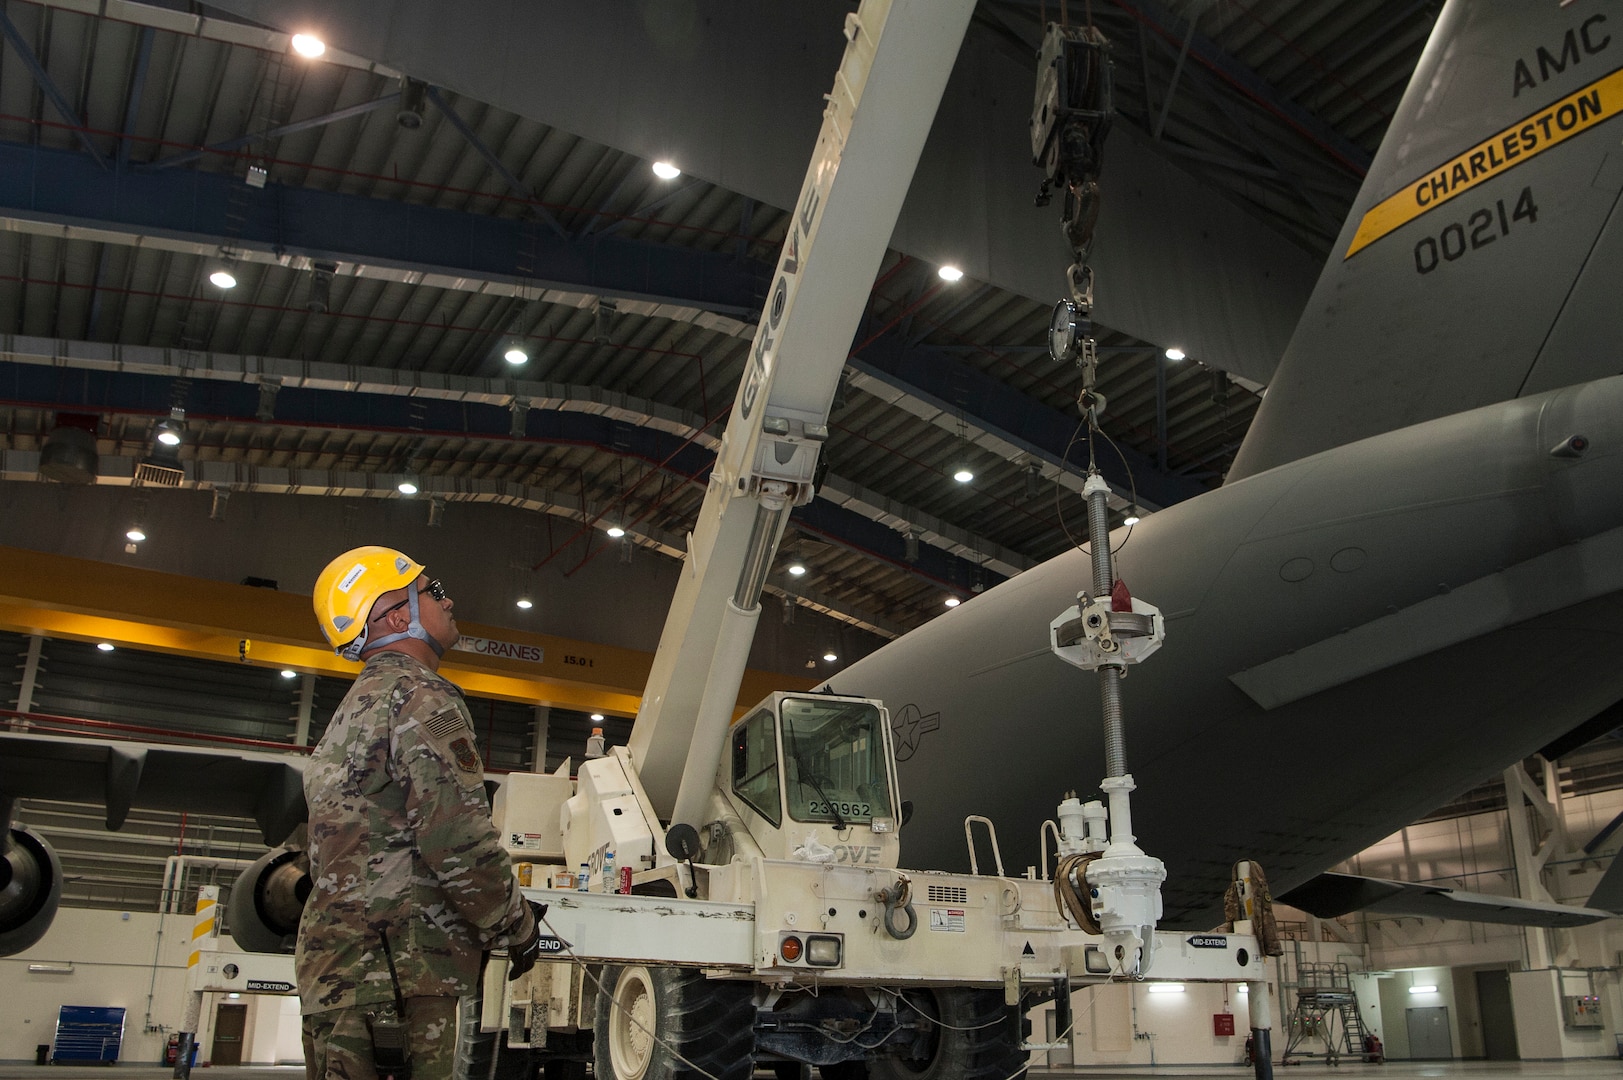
point(47, 87)
point(603, 205)
point(138, 82)
point(1346, 48)
point(746, 220)
point(1003, 421)
point(1330, 218)
point(61, 188)
point(1213, 57)
point(232, 145)
point(58, 188)
point(1161, 414)
point(646, 208)
point(1172, 83)
point(23, 466)
point(338, 403)
point(505, 394)
point(86, 600)
point(514, 184)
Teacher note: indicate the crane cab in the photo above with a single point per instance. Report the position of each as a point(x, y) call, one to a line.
point(813, 777)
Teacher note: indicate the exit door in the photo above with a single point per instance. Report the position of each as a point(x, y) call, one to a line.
point(230, 1021)
point(1498, 1019)
point(1429, 1039)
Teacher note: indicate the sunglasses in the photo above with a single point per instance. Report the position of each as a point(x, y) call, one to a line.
point(434, 589)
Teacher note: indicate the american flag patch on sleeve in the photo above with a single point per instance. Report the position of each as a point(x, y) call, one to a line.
point(444, 725)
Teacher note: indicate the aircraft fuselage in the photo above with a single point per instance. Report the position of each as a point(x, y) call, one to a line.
point(1352, 639)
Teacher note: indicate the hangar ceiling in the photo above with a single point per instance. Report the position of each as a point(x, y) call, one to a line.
point(130, 138)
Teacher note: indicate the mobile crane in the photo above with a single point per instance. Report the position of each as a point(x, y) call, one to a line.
point(722, 893)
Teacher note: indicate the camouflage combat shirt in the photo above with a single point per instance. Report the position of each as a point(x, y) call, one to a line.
point(400, 837)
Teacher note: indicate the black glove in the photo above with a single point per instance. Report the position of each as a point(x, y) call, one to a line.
point(522, 956)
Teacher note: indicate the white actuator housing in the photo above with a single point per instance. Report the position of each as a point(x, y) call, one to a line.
point(1091, 635)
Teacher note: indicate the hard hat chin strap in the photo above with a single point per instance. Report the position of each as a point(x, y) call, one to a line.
point(415, 630)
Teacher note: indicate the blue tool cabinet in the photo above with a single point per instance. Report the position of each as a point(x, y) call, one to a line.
point(88, 1033)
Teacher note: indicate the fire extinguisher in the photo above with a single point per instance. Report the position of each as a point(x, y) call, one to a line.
point(171, 1050)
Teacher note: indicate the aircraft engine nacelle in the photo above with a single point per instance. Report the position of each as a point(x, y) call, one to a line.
point(30, 889)
point(267, 900)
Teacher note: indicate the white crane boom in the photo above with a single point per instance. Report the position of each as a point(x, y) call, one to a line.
point(897, 59)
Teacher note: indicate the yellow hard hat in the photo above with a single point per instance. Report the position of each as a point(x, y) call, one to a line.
point(350, 585)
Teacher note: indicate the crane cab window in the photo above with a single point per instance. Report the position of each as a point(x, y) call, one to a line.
point(755, 765)
point(834, 756)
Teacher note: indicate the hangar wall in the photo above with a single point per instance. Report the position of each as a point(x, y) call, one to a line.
point(119, 959)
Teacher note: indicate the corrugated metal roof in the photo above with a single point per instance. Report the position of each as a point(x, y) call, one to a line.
point(229, 85)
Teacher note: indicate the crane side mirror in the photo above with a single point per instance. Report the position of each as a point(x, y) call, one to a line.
point(682, 842)
point(907, 812)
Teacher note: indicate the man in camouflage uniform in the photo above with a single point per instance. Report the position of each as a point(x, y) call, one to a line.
point(401, 841)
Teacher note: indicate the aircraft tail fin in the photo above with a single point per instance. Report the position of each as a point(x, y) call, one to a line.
point(1481, 257)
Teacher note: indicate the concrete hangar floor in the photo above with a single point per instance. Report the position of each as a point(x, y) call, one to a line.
point(1587, 1069)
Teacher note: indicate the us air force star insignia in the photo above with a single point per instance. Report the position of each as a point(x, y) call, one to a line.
point(466, 759)
point(908, 725)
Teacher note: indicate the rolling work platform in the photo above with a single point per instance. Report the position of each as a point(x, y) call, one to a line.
point(1325, 1014)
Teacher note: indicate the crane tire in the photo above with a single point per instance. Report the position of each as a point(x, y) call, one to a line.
point(644, 1013)
point(970, 1038)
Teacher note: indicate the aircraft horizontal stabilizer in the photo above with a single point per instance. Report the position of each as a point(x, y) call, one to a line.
point(265, 787)
point(1608, 895)
point(1330, 895)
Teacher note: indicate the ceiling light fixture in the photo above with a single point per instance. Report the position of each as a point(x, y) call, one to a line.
point(524, 603)
point(168, 433)
point(308, 45)
point(616, 532)
point(797, 569)
point(950, 273)
point(953, 601)
point(666, 171)
point(963, 475)
point(597, 718)
point(1166, 988)
point(1130, 519)
point(1428, 989)
point(830, 656)
point(69, 453)
point(1175, 353)
point(413, 93)
point(408, 484)
point(223, 278)
point(289, 673)
point(135, 534)
point(516, 356)
point(105, 646)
